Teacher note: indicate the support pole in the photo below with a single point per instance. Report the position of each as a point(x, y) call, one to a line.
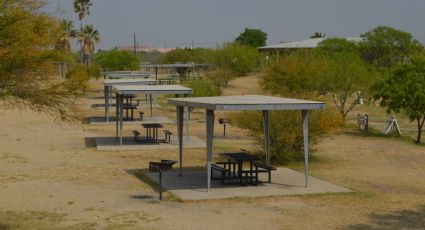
point(106, 94)
point(180, 111)
point(266, 126)
point(121, 107)
point(187, 123)
point(305, 136)
point(150, 99)
point(117, 104)
point(210, 137)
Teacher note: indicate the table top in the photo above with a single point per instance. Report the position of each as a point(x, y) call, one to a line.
point(240, 156)
point(154, 125)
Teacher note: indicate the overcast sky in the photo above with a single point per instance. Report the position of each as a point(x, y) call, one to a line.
point(211, 22)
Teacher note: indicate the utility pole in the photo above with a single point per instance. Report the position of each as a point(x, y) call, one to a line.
point(165, 46)
point(135, 44)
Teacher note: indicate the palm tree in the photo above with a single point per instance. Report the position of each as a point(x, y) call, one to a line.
point(318, 35)
point(63, 43)
point(87, 38)
point(82, 8)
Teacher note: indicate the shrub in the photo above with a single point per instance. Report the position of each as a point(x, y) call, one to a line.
point(286, 140)
point(77, 78)
point(202, 88)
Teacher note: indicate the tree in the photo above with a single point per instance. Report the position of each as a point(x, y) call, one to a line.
point(27, 37)
point(82, 9)
point(252, 37)
point(236, 58)
point(318, 35)
point(384, 46)
point(88, 36)
point(307, 74)
point(63, 44)
point(338, 45)
point(404, 91)
point(115, 60)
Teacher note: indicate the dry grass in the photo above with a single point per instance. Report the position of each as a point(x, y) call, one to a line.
point(50, 179)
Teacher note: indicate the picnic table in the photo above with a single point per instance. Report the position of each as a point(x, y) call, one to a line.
point(239, 158)
point(152, 131)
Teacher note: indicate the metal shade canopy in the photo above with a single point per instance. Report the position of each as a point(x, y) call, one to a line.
point(244, 102)
point(108, 84)
point(122, 90)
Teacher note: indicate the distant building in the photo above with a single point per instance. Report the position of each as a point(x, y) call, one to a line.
point(286, 47)
point(145, 49)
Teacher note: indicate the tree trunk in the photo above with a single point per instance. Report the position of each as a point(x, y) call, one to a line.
point(420, 126)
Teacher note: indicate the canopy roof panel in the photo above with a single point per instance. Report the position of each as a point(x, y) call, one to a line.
point(129, 81)
point(152, 89)
point(247, 102)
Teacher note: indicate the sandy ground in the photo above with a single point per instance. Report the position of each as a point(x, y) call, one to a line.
point(52, 177)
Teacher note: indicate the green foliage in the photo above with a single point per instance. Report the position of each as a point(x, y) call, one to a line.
point(318, 35)
point(27, 61)
point(336, 45)
point(115, 60)
point(78, 77)
point(323, 72)
point(252, 37)
point(179, 55)
point(384, 46)
point(154, 57)
point(220, 78)
point(404, 90)
point(202, 88)
point(197, 55)
point(286, 140)
point(236, 58)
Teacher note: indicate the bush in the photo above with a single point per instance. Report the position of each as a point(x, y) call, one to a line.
point(202, 88)
point(77, 78)
point(286, 140)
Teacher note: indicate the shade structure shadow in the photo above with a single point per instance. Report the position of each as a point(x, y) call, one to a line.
point(137, 121)
point(128, 143)
point(192, 185)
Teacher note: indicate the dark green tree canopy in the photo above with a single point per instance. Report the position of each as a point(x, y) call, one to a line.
point(252, 37)
point(384, 46)
point(336, 45)
point(404, 91)
point(115, 60)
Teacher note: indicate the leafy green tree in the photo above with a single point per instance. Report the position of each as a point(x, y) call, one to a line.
point(318, 35)
point(236, 58)
point(337, 45)
point(115, 60)
point(404, 91)
point(338, 75)
point(179, 55)
point(252, 37)
point(27, 63)
point(384, 46)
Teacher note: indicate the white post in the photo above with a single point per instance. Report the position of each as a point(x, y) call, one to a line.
point(210, 137)
point(305, 136)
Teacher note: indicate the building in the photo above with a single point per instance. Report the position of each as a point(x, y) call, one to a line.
point(145, 49)
point(286, 47)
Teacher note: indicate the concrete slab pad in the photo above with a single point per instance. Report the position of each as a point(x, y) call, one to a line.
point(146, 120)
point(141, 106)
point(112, 144)
point(192, 185)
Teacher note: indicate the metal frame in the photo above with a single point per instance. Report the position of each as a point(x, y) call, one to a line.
point(246, 102)
point(141, 89)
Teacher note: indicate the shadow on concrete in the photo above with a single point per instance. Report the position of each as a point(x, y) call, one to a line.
point(402, 219)
point(90, 142)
